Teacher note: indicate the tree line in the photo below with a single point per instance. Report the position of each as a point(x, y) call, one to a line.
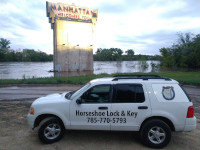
point(30, 55)
point(116, 54)
point(26, 55)
point(185, 53)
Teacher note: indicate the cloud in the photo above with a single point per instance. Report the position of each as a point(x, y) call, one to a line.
point(108, 7)
point(142, 25)
point(146, 26)
point(186, 9)
point(25, 24)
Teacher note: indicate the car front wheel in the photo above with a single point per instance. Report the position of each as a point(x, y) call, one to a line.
point(51, 130)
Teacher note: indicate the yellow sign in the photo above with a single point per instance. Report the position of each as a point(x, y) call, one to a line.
point(70, 12)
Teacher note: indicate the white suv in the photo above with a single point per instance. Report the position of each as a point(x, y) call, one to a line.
point(150, 104)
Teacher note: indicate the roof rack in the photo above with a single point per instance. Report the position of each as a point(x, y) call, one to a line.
point(138, 76)
point(143, 78)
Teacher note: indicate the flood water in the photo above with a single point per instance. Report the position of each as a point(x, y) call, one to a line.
point(19, 70)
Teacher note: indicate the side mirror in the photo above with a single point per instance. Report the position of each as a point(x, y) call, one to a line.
point(79, 101)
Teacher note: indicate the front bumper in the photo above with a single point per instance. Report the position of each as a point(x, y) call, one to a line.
point(30, 120)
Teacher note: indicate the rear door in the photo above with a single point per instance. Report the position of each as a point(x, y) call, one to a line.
point(130, 106)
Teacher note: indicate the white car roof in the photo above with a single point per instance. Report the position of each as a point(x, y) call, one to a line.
point(115, 80)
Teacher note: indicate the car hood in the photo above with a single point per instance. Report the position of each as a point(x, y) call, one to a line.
point(51, 98)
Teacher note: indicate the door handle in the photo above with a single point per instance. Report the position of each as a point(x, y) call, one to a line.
point(142, 107)
point(103, 108)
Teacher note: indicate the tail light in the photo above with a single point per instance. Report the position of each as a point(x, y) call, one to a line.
point(190, 113)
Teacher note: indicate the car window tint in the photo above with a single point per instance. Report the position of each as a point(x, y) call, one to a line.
point(124, 93)
point(97, 94)
point(102, 88)
point(128, 93)
point(139, 94)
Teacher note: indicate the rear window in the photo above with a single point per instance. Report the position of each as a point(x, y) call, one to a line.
point(185, 93)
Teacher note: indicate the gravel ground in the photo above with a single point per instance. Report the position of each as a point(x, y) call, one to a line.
point(16, 135)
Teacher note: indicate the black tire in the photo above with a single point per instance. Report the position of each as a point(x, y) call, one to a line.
point(155, 133)
point(50, 130)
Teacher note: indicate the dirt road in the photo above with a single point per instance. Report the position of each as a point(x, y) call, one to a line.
point(16, 135)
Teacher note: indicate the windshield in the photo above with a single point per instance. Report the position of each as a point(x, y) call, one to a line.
point(79, 91)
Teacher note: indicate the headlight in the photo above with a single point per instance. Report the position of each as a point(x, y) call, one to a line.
point(31, 111)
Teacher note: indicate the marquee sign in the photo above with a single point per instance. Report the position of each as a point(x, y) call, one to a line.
point(70, 13)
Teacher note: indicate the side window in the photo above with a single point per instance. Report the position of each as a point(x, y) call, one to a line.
point(97, 94)
point(139, 94)
point(128, 93)
point(124, 93)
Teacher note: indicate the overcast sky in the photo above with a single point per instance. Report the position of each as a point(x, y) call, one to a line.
point(142, 25)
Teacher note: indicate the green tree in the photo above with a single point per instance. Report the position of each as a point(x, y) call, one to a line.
point(4, 46)
point(10, 56)
point(184, 54)
point(18, 56)
point(130, 54)
point(184, 39)
point(25, 55)
point(116, 54)
point(4, 43)
point(112, 54)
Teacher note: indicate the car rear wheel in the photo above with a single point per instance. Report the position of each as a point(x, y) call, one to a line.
point(155, 133)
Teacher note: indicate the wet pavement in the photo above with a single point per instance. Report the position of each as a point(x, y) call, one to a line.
point(35, 91)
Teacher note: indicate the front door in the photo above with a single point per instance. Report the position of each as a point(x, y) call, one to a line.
point(92, 113)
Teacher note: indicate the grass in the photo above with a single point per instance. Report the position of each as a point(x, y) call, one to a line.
point(190, 78)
